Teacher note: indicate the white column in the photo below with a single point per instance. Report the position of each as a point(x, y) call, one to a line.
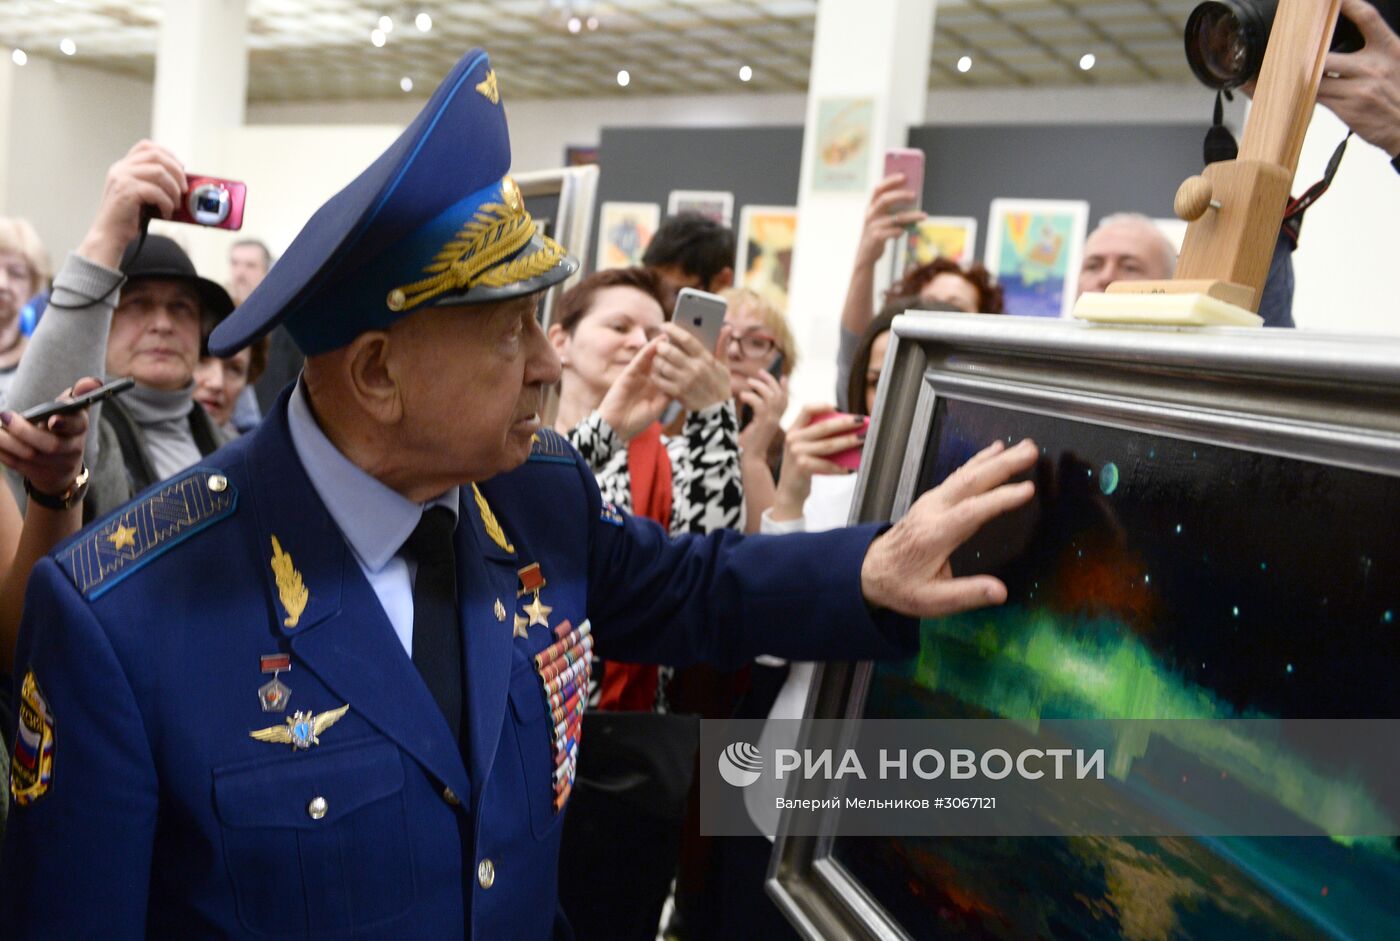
point(201, 92)
point(201, 75)
point(879, 50)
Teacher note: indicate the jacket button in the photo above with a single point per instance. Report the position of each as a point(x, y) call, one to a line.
point(486, 873)
point(317, 808)
point(451, 797)
point(218, 483)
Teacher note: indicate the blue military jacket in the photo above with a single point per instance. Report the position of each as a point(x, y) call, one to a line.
point(150, 810)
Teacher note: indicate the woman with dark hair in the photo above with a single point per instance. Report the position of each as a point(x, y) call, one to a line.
point(941, 281)
point(219, 381)
point(622, 364)
point(971, 290)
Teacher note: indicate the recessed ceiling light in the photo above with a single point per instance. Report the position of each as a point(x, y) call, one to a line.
point(377, 37)
point(386, 23)
point(406, 83)
point(19, 57)
point(745, 73)
point(965, 64)
point(68, 47)
point(423, 21)
point(1086, 61)
point(592, 23)
point(575, 24)
point(624, 77)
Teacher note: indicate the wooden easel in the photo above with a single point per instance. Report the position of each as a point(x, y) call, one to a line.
point(1236, 206)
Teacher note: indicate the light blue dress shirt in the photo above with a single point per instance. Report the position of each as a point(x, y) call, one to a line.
point(375, 520)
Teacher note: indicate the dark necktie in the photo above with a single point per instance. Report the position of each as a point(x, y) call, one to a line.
point(437, 638)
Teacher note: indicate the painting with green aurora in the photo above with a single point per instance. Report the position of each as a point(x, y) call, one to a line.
point(1154, 577)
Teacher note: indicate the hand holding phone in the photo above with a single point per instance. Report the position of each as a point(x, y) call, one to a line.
point(908, 162)
point(701, 314)
point(42, 413)
point(849, 458)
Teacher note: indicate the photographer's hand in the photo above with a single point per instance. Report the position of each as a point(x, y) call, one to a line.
point(149, 175)
point(1363, 88)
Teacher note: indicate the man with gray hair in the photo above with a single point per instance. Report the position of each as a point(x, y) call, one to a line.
point(1126, 246)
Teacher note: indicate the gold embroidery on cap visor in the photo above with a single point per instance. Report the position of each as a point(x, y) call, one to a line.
point(489, 89)
point(474, 256)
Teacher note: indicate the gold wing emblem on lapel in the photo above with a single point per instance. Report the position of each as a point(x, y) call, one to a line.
point(290, 588)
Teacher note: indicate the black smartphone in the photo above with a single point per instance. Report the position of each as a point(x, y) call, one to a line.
point(42, 413)
point(775, 369)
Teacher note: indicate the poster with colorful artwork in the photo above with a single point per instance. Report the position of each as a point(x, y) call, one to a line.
point(1034, 247)
point(951, 237)
point(841, 162)
point(624, 231)
point(766, 238)
point(711, 204)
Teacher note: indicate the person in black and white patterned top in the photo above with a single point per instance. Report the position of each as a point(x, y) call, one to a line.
point(622, 364)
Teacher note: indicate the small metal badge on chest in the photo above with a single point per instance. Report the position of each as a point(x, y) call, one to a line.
point(274, 694)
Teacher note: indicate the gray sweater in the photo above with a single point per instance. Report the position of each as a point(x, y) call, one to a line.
point(166, 431)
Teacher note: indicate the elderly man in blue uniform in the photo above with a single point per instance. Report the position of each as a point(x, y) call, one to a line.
point(326, 685)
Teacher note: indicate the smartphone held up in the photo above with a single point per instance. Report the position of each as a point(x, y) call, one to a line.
point(909, 162)
point(849, 458)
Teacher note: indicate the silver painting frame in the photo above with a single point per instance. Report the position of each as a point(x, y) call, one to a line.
point(1328, 398)
point(577, 189)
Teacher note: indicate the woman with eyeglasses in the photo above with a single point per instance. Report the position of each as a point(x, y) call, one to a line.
point(761, 353)
point(623, 363)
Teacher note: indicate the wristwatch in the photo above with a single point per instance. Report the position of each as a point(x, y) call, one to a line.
point(64, 501)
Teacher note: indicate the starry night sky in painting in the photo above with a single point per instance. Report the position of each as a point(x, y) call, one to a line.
point(1272, 583)
point(1153, 577)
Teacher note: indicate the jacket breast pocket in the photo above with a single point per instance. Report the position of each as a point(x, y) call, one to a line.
point(317, 841)
point(534, 743)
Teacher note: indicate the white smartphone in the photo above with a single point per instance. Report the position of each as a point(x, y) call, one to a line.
point(701, 314)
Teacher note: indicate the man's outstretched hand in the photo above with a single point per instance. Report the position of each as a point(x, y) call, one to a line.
point(907, 570)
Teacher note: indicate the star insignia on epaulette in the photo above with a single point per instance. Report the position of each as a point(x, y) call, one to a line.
point(122, 536)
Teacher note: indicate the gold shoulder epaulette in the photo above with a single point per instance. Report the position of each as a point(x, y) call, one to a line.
point(126, 539)
point(552, 447)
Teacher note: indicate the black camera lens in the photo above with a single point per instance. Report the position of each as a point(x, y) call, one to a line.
point(1226, 39)
point(209, 204)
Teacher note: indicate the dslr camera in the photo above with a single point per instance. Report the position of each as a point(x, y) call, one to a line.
point(1226, 39)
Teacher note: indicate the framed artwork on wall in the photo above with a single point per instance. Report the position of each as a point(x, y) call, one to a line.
point(952, 237)
point(712, 204)
point(1034, 247)
point(842, 155)
point(624, 231)
point(767, 235)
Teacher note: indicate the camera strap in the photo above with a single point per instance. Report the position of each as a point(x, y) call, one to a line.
point(147, 213)
point(1293, 215)
point(1220, 143)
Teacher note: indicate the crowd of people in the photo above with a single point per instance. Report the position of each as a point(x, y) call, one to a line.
point(689, 438)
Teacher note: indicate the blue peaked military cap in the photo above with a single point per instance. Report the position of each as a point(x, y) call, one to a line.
point(434, 222)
